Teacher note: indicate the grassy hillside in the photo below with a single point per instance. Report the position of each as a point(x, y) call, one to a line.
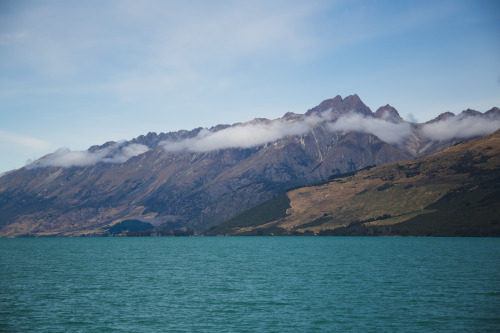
point(253, 218)
point(452, 193)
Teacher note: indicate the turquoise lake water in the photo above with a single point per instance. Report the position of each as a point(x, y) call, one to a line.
point(250, 284)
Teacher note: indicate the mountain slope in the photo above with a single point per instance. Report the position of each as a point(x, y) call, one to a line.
point(452, 193)
point(198, 179)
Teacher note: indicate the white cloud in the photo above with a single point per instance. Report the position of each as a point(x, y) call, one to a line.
point(246, 135)
point(126, 153)
point(116, 153)
point(256, 134)
point(460, 127)
point(23, 141)
point(388, 131)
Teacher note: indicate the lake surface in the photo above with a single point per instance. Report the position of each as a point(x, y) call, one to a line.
point(250, 284)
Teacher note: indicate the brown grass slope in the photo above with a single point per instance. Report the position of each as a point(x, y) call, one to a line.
point(452, 193)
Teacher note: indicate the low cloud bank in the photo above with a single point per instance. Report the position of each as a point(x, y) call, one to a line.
point(245, 136)
point(461, 127)
point(117, 153)
point(386, 130)
point(256, 134)
point(259, 133)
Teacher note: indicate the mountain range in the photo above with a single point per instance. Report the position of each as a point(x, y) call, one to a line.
point(201, 178)
point(455, 192)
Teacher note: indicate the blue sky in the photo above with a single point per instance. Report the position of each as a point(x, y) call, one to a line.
point(78, 73)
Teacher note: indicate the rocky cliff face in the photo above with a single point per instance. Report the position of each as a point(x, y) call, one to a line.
point(199, 178)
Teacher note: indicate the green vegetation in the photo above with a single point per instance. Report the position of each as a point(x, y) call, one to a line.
point(385, 186)
point(131, 228)
point(317, 222)
point(338, 175)
point(268, 211)
point(471, 210)
point(402, 218)
point(341, 175)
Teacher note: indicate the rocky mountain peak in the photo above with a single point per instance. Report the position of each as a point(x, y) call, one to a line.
point(470, 113)
point(494, 112)
point(332, 103)
point(339, 106)
point(292, 116)
point(389, 113)
point(442, 116)
point(99, 147)
point(219, 127)
point(354, 103)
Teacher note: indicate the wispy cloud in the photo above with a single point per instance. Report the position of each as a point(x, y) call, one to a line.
point(23, 141)
point(136, 42)
point(247, 135)
point(386, 130)
point(116, 153)
point(461, 127)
